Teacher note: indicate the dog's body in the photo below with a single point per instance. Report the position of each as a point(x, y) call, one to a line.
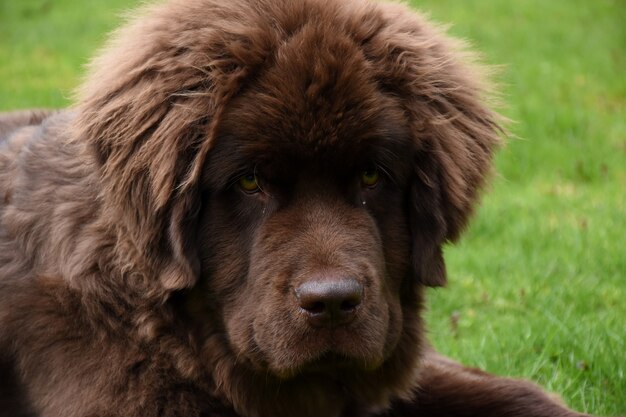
point(239, 219)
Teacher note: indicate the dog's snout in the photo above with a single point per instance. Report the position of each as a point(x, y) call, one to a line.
point(330, 302)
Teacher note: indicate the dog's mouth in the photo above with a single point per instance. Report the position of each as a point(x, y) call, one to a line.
point(329, 364)
point(332, 354)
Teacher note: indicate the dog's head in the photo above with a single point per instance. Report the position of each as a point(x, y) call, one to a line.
point(299, 165)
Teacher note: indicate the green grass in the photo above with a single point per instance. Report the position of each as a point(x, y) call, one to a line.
point(44, 45)
point(537, 285)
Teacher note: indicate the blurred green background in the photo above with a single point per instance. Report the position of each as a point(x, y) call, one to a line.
point(537, 285)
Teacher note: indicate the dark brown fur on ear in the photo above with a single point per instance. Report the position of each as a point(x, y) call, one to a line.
point(148, 111)
point(428, 224)
point(446, 97)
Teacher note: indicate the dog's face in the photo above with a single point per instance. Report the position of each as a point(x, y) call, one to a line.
point(295, 168)
point(305, 233)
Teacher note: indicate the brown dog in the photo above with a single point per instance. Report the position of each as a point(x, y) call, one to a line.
point(240, 216)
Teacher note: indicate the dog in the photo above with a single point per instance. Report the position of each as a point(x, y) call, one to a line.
point(240, 216)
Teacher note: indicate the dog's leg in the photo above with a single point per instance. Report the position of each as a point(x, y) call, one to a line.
point(452, 390)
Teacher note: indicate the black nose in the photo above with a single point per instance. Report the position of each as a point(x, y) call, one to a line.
point(330, 302)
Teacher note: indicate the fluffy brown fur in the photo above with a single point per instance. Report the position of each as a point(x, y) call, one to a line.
point(138, 277)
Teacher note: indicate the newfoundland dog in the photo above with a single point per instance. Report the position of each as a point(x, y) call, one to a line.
point(239, 217)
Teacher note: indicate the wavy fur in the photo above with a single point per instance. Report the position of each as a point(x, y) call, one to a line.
point(127, 287)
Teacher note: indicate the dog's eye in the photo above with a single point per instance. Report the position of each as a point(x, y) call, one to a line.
point(249, 183)
point(370, 177)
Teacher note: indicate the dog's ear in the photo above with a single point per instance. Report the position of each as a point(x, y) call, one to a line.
point(427, 221)
point(148, 113)
point(447, 100)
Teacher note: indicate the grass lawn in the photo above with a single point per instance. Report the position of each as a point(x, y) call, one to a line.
point(537, 285)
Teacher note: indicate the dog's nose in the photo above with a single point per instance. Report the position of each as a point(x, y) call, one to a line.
point(330, 302)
